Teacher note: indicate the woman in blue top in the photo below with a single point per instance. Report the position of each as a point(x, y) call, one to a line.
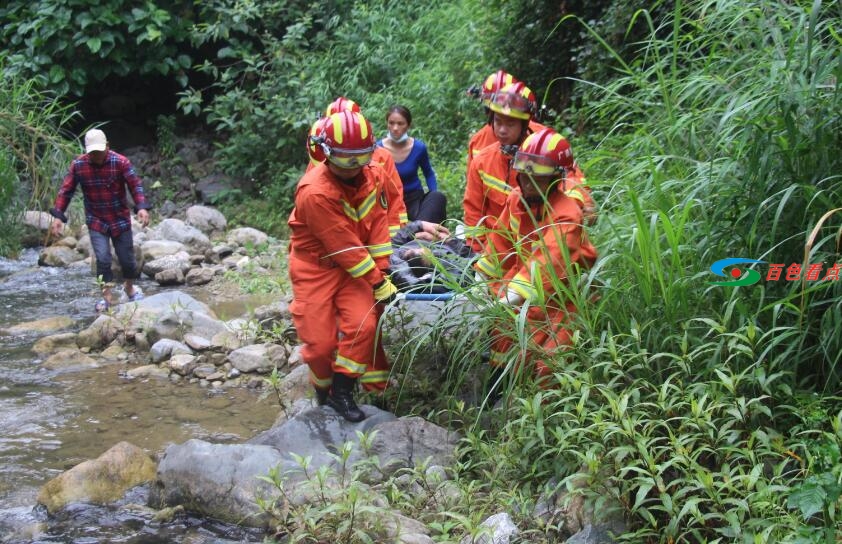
point(410, 154)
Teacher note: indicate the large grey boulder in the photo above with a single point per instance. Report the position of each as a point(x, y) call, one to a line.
point(411, 441)
point(319, 432)
point(217, 480)
point(207, 220)
point(176, 229)
point(35, 227)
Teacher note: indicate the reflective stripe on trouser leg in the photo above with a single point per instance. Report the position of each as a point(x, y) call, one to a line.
point(358, 325)
point(376, 377)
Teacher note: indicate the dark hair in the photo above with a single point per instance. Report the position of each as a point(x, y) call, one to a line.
point(403, 111)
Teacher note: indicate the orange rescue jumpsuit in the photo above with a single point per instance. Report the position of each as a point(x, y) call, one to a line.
point(491, 179)
point(533, 246)
point(339, 248)
point(485, 137)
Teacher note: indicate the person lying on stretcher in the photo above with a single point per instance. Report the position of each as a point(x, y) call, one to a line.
point(425, 263)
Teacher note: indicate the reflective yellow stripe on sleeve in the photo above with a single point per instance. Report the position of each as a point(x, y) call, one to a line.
point(521, 285)
point(494, 184)
point(575, 194)
point(360, 212)
point(380, 250)
point(361, 268)
point(486, 267)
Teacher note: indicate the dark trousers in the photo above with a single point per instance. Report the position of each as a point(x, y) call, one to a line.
point(123, 247)
point(421, 206)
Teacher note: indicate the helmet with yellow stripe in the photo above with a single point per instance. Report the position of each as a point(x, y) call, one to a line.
point(342, 104)
point(514, 100)
point(346, 139)
point(494, 83)
point(543, 153)
point(314, 149)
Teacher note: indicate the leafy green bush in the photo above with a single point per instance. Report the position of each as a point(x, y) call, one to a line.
point(73, 44)
point(264, 97)
point(35, 151)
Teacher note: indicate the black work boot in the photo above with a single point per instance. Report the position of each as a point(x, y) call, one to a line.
point(321, 395)
point(341, 398)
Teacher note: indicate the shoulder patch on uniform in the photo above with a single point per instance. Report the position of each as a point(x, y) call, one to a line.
point(384, 202)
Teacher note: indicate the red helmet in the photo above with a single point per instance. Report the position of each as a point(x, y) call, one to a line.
point(341, 104)
point(543, 153)
point(347, 139)
point(314, 149)
point(514, 100)
point(494, 83)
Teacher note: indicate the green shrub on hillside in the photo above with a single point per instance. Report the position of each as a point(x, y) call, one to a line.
point(265, 99)
point(73, 44)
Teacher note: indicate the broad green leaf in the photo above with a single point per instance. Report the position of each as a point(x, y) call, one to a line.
point(809, 499)
point(94, 44)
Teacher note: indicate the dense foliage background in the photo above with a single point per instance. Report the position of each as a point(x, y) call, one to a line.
point(708, 130)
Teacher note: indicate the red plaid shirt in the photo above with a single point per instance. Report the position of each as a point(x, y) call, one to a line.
point(104, 192)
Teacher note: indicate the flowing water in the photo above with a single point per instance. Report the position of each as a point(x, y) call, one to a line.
point(53, 420)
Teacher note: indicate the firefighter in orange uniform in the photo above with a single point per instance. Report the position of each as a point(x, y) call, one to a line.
point(490, 176)
point(339, 252)
point(540, 240)
point(485, 136)
point(381, 158)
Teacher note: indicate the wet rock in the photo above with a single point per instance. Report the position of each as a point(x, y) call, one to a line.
point(318, 432)
point(165, 348)
point(54, 342)
point(49, 324)
point(207, 372)
point(70, 358)
point(100, 333)
point(100, 481)
point(182, 364)
point(217, 480)
point(59, 256)
point(148, 371)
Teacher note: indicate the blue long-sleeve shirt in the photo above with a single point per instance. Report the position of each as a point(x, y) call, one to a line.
point(408, 169)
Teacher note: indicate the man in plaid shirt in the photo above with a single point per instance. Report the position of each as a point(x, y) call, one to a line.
point(103, 176)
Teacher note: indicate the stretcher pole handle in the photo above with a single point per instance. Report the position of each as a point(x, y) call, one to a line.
point(429, 297)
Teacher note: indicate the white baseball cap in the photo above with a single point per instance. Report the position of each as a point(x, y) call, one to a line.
point(95, 140)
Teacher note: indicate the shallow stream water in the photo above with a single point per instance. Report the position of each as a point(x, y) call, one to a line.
point(53, 420)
